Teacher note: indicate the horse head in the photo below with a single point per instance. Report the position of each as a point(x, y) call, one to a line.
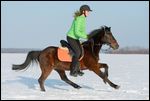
point(102, 36)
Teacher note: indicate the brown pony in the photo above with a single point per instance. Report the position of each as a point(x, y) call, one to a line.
point(48, 59)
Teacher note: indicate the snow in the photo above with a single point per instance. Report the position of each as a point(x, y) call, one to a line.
point(131, 72)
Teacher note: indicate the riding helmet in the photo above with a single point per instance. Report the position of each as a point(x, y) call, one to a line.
point(85, 7)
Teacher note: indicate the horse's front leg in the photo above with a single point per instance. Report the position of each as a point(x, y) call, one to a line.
point(96, 70)
point(105, 66)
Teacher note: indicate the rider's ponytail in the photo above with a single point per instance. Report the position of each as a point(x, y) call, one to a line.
point(77, 13)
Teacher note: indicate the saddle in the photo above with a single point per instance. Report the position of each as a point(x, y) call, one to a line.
point(65, 52)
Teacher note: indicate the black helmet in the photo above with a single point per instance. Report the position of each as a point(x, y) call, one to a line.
point(85, 7)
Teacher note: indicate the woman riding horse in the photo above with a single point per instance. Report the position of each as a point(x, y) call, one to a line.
point(76, 32)
point(48, 58)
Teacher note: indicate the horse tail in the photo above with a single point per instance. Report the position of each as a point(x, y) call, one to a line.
point(33, 56)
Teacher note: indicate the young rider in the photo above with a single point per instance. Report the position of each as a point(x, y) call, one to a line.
point(76, 32)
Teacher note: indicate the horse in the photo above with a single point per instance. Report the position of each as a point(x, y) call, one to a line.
point(48, 59)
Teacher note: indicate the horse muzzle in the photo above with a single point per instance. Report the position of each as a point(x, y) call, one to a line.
point(114, 45)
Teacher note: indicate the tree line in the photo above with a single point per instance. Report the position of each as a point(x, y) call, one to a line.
point(125, 50)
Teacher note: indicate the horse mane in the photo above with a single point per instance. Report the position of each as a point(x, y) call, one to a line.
point(95, 36)
point(96, 32)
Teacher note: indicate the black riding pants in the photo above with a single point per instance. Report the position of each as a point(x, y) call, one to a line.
point(77, 49)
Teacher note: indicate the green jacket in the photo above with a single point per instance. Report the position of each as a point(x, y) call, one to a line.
point(77, 29)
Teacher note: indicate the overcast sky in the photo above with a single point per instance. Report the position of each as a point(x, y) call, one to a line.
point(39, 24)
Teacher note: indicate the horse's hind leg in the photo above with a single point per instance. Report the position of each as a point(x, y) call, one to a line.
point(64, 78)
point(45, 72)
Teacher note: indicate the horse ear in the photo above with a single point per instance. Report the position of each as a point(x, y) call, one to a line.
point(110, 28)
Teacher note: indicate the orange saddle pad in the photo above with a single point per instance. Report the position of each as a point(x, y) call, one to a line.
point(63, 55)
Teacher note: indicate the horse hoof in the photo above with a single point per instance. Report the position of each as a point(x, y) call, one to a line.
point(43, 90)
point(117, 87)
point(77, 87)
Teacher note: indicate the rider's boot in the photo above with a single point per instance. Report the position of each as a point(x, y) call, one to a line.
point(74, 67)
point(73, 72)
point(80, 73)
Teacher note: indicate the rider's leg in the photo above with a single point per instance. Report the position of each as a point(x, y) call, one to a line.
point(80, 47)
point(74, 67)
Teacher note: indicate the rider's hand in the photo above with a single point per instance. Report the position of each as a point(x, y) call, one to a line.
point(88, 36)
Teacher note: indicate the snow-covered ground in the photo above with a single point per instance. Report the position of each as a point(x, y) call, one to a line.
point(131, 72)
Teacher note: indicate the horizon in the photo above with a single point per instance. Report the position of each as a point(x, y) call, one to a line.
point(39, 24)
point(126, 47)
